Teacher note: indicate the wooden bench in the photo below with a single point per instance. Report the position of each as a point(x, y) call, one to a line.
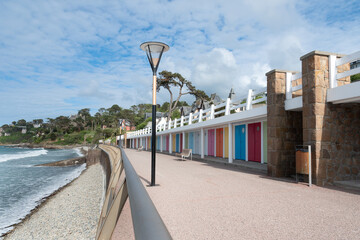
point(185, 154)
point(140, 148)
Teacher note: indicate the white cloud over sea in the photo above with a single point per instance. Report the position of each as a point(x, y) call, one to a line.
point(57, 57)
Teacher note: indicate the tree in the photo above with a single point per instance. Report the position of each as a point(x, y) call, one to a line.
point(168, 80)
point(38, 121)
point(355, 77)
point(21, 122)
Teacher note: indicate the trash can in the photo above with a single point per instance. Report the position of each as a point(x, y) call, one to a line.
point(303, 161)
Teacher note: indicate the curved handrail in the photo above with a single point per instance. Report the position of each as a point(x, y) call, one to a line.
point(147, 222)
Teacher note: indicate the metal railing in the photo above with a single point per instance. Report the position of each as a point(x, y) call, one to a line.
point(147, 222)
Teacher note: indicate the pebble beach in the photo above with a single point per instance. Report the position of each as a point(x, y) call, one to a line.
point(72, 213)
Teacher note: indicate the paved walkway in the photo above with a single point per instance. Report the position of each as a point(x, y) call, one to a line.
point(200, 200)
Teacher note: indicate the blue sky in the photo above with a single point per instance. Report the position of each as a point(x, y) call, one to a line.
point(57, 57)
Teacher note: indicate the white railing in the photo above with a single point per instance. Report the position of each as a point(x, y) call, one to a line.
point(215, 111)
point(335, 62)
point(290, 79)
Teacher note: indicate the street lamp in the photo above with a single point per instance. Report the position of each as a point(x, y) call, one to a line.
point(154, 51)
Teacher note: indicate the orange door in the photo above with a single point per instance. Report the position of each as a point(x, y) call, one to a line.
point(219, 142)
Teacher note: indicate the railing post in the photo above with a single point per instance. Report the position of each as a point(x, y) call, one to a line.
point(182, 121)
point(227, 107)
point(288, 85)
point(201, 115)
point(249, 100)
point(169, 126)
point(175, 122)
point(212, 111)
point(332, 71)
point(190, 118)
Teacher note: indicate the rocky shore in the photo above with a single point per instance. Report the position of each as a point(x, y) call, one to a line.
point(71, 213)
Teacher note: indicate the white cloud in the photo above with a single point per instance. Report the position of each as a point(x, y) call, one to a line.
point(60, 56)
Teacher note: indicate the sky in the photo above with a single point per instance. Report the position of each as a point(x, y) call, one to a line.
point(57, 57)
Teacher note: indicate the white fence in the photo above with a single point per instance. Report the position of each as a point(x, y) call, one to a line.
point(340, 94)
point(228, 107)
point(346, 93)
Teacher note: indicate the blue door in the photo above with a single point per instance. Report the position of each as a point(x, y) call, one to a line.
point(191, 141)
point(240, 142)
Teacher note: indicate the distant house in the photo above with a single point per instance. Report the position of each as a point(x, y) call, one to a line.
point(126, 125)
point(355, 64)
point(74, 117)
point(23, 130)
point(7, 134)
point(1, 130)
point(37, 125)
point(158, 115)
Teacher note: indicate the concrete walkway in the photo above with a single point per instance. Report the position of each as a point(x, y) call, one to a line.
point(200, 200)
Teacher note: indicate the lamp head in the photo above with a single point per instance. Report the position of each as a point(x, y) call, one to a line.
point(154, 51)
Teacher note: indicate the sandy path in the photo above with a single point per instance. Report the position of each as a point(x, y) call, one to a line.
point(200, 200)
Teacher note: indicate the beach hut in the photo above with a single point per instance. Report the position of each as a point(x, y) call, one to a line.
point(211, 142)
point(196, 142)
point(206, 142)
point(167, 143)
point(226, 142)
point(191, 141)
point(177, 143)
point(181, 142)
point(173, 142)
point(254, 142)
point(240, 142)
point(158, 143)
point(219, 142)
point(264, 142)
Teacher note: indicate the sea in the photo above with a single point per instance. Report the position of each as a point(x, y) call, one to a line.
point(23, 186)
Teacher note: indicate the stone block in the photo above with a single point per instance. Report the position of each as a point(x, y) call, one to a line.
point(320, 79)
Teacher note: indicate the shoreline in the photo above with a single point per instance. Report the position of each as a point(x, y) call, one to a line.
point(59, 198)
point(43, 201)
point(40, 204)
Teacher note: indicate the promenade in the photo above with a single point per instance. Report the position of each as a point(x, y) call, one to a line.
point(198, 200)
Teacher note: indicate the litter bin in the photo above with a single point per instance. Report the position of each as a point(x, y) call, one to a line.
point(303, 161)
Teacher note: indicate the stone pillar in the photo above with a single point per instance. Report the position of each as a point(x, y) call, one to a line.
point(284, 129)
point(317, 113)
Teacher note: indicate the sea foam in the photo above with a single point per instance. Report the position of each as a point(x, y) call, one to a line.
point(19, 155)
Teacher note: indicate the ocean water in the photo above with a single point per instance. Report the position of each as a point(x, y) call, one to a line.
point(23, 185)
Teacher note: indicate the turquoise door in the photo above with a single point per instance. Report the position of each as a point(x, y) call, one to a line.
point(191, 141)
point(177, 142)
point(240, 142)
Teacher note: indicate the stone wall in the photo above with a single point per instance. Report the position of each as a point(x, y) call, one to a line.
point(284, 130)
point(342, 154)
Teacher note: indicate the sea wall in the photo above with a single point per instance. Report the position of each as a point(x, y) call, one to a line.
point(64, 163)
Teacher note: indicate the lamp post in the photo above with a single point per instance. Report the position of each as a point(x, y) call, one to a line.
point(154, 51)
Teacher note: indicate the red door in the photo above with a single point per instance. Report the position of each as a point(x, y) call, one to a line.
point(181, 141)
point(254, 142)
point(219, 142)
